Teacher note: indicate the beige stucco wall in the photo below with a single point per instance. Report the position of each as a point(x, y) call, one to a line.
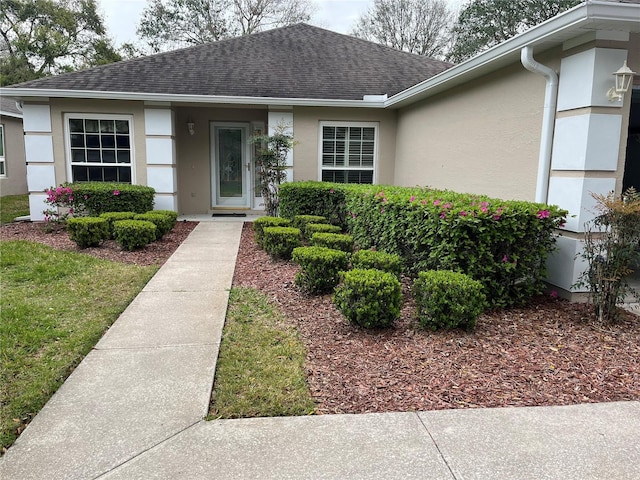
point(193, 152)
point(482, 137)
point(15, 180)
point(59, 107)
point(306, 129)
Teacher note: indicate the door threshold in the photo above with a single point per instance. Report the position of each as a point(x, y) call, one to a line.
point(231, 214)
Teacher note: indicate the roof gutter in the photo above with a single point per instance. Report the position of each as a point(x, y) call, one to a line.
point(377, 101)
point(548, 120)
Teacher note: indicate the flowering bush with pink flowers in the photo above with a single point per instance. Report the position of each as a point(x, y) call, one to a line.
point(502, 244)
point(61, 205)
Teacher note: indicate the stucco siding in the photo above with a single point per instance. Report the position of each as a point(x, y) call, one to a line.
point(15, 180)
point(306, 133)
point(482, 137)
point(60, 107)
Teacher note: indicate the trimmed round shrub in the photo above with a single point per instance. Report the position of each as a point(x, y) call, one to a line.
point(112, 217)
point(337, 241)
point(162, 222)
point(312, 228)
point(301, 221)
point(279, 242)
point(447, 299)
point(320, 268)
point(169, 213)
point(369, 298)
point(260, 223)
point(88, 231)
point(387, 262)
point(133, 234)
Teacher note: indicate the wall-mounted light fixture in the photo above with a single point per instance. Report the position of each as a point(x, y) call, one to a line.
point(623, 79)
point(191, 126)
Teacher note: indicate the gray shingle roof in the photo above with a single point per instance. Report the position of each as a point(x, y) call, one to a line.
point(298, 61)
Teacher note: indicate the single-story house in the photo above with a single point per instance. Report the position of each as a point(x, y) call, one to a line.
point(528, 119)
point(13, 169)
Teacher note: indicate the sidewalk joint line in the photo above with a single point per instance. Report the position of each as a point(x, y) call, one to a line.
point(101, 475)
point(444, 459)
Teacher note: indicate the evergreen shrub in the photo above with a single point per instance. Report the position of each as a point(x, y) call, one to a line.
point(95, 198)
point(320, 268)
point(337, 241)
point(162, 222)
point(279, 242)
point(88, 231)
point(387, 262)
point(260, 223)
point(112, 217)
point(312, 228)
point(446, 300)
point(369, 298)
point(301, 221)
point(169, 213)
point(134, 234)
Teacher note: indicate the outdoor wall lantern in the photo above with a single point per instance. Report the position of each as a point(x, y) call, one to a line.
point(623, 80)
point(191, 126)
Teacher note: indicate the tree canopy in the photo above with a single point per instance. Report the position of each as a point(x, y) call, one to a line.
point(46, 37)
point(168, 24)
point(482, 24)
point(416, 26)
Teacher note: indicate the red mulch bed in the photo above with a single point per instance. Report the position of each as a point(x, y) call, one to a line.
point(550, 352)
point(155, 253)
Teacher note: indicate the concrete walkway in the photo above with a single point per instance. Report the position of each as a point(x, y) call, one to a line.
point(134, 409)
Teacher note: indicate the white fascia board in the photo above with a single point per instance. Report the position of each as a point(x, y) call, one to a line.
point(621, 15)
point(23, 93)
point(10, 114)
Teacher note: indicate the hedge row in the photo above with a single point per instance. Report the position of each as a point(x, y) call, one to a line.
point(502, 244)
point(94, 198)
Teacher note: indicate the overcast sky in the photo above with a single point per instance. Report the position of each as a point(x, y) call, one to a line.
point(122, 16)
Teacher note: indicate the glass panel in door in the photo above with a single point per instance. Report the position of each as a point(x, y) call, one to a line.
point(230, 182)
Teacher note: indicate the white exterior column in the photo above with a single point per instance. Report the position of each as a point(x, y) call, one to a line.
point(586, 152)
point(159, 129)
point(38, 149)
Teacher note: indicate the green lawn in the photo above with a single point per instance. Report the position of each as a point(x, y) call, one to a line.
point(13, 206)
point(54, 307)
point(260, 366)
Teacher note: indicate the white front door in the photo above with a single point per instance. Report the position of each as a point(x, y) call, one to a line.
point(230, 165)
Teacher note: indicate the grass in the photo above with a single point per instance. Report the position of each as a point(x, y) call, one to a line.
point(13, 206)
point(260, 366)
point(54, 307)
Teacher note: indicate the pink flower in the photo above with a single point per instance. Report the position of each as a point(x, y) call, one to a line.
point(436, 202)
point(412, 199)
point(543, 214)
point(505, 259)
point(496, 217)
point(86, 197)
point(554, 294)
point(116, 192)
point(446, 205)
point(443, 215)
point(463, 213)
point(332, 191)
point(483, 209)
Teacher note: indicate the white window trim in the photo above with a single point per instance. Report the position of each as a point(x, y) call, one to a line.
point(98, 116)
point(3, 157)
point(328, 123)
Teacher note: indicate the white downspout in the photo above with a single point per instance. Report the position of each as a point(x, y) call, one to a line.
point(548, 120)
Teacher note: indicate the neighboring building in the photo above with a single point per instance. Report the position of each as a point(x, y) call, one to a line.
point(13, 169)
point(180, 121)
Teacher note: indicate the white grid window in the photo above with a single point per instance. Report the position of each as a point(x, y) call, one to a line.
point(100, 148)
point(348, 152)
point(3, 165)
